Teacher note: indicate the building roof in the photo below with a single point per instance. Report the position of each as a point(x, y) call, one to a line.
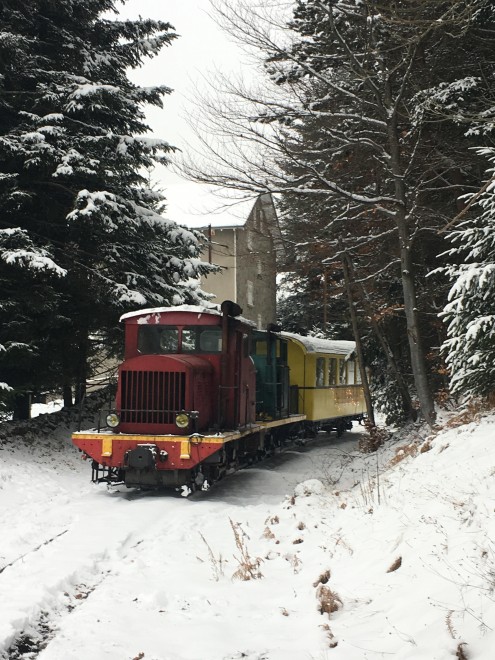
point(231, 215)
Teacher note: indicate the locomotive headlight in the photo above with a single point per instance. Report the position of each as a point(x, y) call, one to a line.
point(113, 420)
point(182, 420)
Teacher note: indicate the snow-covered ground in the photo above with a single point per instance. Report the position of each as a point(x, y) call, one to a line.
point(389, 555)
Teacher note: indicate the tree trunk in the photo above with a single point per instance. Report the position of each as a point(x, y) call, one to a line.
point(418, 363)
point(82, 371)
point(407, 405)
point(67, 394)
point(22, 407)
point(357, 338)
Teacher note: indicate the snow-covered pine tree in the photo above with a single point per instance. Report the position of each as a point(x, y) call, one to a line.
point(73, 153)
point(470, 312)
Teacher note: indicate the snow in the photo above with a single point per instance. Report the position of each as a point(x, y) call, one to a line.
point(318, 345)
point(349, 556)
point(152, 315)
point(44, 408)
point(38, 260)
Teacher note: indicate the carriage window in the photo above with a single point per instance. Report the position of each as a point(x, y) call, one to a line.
point(358, 374)
point(157, 339)
point(351, 372)
point(332, 371)
point(320, 372)
point(342, 372)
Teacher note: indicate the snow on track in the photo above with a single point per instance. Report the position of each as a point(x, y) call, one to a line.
point(106, 573)
point(390, 555)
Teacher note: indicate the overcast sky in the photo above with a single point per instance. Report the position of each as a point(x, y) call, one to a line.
point(201, 48)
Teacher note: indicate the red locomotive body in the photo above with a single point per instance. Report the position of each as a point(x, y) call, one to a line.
point(184, 359)
point(185, 398)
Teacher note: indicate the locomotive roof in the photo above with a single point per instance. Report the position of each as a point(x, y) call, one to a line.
point(214, 310)
point(198, 309)
point(316, 345)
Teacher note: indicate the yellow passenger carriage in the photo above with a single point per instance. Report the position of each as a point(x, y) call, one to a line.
point(325, 382)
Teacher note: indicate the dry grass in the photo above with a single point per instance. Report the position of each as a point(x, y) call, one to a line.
point(249, 567)
point(450, 625)
point(329, 601)
point(268, 534)
point(216, 563)
point(323, 579)
point(339, 540)
point(402, 452)
point(332, 642)
point(426, 446)
point(373, 439)
point(294, 561)
point(474, 410)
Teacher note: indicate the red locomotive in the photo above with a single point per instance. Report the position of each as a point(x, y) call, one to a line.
point(200, 392)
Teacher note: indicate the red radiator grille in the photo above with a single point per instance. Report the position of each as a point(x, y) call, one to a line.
point(152, 397)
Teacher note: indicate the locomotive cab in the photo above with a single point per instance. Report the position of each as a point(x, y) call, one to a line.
point(186, 369)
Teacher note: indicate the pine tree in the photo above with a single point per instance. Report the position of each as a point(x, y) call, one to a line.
point(73, 186)
point(470, 312)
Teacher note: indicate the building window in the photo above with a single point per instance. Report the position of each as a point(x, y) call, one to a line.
point(260, 322)
point(259, 267)
point(249, 239)
point(250, 293)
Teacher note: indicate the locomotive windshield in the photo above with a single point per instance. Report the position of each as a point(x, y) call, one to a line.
point(163, 339)
point(198, 339)
point(158, 339)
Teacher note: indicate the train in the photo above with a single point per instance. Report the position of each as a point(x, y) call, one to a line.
point(201, 392)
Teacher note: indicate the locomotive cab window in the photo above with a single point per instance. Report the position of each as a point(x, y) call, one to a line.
point(210, 341)
point(198, 339)
point(157, 339)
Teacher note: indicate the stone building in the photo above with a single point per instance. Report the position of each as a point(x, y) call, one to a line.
point(247, 252)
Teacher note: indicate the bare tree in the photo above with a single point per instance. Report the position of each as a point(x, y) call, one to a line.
point(336, 118)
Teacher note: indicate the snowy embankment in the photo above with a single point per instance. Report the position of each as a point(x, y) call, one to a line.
point(388, 555)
